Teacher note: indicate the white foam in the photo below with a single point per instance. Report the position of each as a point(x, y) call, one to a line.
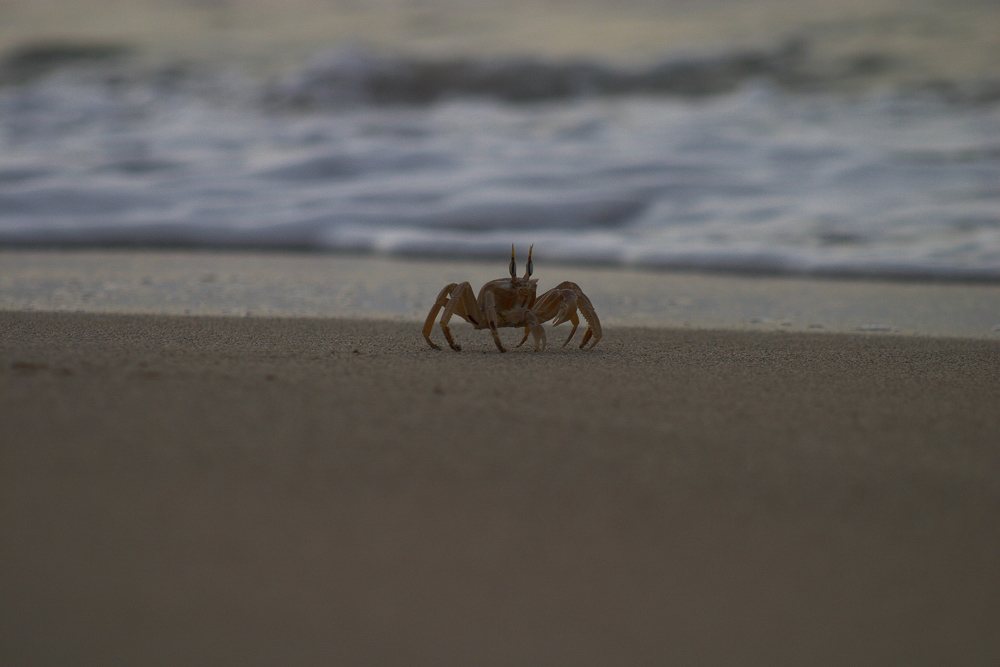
point(756, 180)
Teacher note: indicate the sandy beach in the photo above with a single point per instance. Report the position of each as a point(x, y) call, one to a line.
point(328, 490)
point(223, 439)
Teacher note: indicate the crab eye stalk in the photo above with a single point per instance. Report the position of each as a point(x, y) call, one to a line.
point(513, 264)
point(530, 267)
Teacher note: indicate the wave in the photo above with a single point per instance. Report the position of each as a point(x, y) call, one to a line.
point(356, 76)
point(34, 60)
point(654, 166)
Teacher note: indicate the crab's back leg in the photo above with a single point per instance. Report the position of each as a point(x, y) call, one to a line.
point(442, 299)
point(462, 303)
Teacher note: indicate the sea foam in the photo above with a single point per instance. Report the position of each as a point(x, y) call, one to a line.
point(741, 168)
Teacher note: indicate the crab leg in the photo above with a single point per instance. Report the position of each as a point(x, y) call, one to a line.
point(462, 303)
point(589, 314)
point(561, 304)
point(531, 326)
point(490, 313)
point(527, 330)
point(558, 304)
point(535, 327)
point(567, 312)
point(442, 299)
point(572, 332)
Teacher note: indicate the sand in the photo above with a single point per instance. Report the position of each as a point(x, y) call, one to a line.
point(329, 285)
point(312, 490)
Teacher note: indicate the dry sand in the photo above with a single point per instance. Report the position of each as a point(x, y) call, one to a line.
point(205, 490)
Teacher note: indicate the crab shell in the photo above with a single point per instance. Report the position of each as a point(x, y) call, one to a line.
point(509, 294)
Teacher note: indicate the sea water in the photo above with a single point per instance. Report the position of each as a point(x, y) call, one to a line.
point(739, 161)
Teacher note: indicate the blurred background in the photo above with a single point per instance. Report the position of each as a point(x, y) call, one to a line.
point(927, 37)
point(855, 137)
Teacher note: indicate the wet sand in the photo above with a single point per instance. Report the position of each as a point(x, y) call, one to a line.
point(329, 285)
point(331, 491)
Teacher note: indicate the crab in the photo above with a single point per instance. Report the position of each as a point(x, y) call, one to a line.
point(511, 302)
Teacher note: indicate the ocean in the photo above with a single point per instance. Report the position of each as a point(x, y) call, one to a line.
point(769, 158)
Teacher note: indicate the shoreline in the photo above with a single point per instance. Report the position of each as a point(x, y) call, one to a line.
point(307, 490)
point(282, 284)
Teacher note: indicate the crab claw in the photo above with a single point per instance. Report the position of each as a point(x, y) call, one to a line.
point(567, 308)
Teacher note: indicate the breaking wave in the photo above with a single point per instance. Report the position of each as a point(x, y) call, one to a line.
point(746, 161)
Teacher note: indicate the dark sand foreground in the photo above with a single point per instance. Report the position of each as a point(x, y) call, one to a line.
point(309, 491)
